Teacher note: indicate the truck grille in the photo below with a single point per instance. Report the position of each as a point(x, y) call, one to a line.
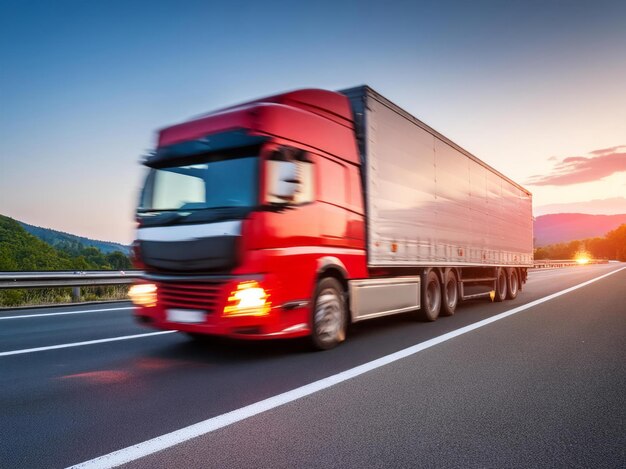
point(203, 296)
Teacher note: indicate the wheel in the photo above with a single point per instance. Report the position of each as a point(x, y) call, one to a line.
point(513, 284)
point(449, 293)
point(501, 290)
point(431, 297)
point(329, 318)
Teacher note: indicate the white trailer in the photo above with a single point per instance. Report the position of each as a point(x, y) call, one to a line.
point(432, 205)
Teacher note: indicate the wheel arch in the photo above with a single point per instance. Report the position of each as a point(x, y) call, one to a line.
point(329, 266)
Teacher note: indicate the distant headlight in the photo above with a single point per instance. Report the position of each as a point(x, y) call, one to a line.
point(143, 294)
point(249, 299)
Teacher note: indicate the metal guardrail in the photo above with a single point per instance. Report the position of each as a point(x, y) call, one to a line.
point(113, 277)
point(554, 264)
point(59, 279)
point(67, 279)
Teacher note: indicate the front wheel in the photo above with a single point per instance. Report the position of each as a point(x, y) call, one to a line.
point(329, 318)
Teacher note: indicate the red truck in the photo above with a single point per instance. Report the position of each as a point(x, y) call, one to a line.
point(297, 214)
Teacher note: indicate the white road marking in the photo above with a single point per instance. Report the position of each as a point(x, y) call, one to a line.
point(134, 452)
point(79, 344)
point(63, 313)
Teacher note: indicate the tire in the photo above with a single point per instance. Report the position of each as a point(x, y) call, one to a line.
point(430, 298)
point(512, 284)
point(329, 316)
point(449, 294)
point(501, 281)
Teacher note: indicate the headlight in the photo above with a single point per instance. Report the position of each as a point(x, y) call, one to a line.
point(143, 294)
point(249, 299)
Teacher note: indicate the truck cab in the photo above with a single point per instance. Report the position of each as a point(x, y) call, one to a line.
point(244, 211)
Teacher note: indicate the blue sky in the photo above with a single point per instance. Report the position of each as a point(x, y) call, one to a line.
point(84, 85)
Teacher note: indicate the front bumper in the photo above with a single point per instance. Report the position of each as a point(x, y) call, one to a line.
point(211, 297)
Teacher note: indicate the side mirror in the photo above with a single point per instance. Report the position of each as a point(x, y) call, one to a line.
point(283, 182)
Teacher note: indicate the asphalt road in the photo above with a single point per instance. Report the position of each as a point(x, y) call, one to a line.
point(545, 387)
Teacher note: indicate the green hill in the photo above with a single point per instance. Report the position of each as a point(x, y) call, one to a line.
point(71, 243)
point(22, 251)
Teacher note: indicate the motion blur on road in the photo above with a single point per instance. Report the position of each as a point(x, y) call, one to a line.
point(541, 387)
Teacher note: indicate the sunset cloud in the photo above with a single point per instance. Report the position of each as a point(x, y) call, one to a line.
point(606, 150)
point(577, 169)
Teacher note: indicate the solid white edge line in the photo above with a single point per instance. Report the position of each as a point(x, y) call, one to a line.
point(134, 452)
point(63, 313)
point(79, 344)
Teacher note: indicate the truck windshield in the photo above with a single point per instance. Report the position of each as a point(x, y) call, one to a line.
point(201, 186)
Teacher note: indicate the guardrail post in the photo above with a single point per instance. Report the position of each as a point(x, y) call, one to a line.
point(75, 294)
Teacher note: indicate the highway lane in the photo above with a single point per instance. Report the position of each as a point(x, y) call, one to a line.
point(542, 389)
point(42, 326)
point(64, 406)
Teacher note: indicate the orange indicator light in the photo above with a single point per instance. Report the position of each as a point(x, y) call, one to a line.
point(250, 299)
point(143, 294)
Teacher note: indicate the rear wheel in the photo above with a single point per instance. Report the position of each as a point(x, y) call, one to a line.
point(501, 290)
point(329, 318)
point(431, 297)
point(450, 294)
point(513, 284)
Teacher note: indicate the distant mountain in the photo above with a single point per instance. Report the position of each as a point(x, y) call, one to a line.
point(72, 243)
point(23, 251)
point(564, 227)
point(611, 206)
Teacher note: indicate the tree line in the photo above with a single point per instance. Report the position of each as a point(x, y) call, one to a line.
point(21, 251)
point(612, 246)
